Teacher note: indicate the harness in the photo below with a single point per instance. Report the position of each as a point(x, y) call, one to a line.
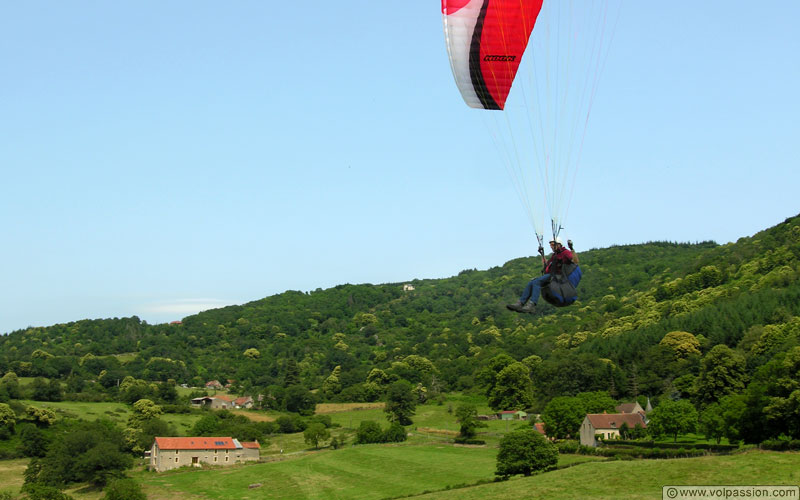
point(562, 289)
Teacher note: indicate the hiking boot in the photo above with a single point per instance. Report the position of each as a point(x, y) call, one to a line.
point(530, 307)
point(518, 307)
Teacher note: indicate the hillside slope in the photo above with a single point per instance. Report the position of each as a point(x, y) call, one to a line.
point(444, 331)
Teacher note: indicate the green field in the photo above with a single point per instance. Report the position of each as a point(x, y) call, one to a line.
point(640, 479)
point(356, 472)
point(118, 412)
point(445, 472)
point(427, 466)
point(442, 471)
point(434, 416)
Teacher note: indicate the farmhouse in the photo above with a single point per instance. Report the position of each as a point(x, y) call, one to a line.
point(243, 402)
point(173, 452)
point(607, 425)
point(213, 384)
point(216, 402)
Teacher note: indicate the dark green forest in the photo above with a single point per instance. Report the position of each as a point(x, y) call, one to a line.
point(712, 324)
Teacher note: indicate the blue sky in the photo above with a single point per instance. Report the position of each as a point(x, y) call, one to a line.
point(159, 158)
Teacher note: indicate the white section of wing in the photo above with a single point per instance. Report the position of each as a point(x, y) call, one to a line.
point(458, 29)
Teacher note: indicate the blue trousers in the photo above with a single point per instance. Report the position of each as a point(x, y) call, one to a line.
point(534, 288)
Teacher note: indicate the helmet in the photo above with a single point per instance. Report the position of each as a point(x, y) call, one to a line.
point(557, 240)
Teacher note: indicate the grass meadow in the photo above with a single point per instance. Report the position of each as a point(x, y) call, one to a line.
point(11, 471)
point(639, 479)
point(427, 466)
point(117, 412)
point(355, 472)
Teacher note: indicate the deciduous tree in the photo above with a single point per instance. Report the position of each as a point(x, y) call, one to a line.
point(467, 417)
point(315, 433)
point(722, 372)
point(513, 389)
point(682, 344)
point(368, 432)
point(525, 452)
point(563, 416)
point(8, 419)
point(400, 403)
point(672, 418)
point(712, 423)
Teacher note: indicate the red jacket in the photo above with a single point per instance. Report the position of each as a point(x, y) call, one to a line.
point(557, 261)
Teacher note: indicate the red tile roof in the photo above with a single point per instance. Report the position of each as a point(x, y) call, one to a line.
point(253, 445)
point(615, 420)
point(539, 427)
point(243, 400)
point(223, 397)
point(195, 443)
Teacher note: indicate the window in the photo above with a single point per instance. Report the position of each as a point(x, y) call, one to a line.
point(176, 460)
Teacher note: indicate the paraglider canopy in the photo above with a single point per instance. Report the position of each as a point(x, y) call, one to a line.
point(486, 41)
point(553, 53)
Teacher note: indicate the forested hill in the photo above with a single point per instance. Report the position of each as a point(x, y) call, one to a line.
point(445, 332)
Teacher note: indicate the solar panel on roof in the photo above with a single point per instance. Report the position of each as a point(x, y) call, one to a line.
point(219, 443)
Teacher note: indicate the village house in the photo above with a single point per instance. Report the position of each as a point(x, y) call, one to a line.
point(219, 402)
point(606, 425)
point(214, 384)
point(173, 452)
point(243, 402)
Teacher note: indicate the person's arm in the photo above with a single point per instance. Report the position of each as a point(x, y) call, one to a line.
point(575, 259)
point(544, 261)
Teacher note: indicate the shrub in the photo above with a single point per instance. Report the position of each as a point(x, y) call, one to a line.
point(322, 419)
point(780, 445)
point(178, 409)
point(369, 432)
point(463, 440)
point(289, 424)
point(124, 489)
point(337, 443)
point(396, 433)
point(569, 446)
point(41, 492)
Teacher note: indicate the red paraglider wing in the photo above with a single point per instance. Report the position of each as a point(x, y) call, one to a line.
point(485, 41)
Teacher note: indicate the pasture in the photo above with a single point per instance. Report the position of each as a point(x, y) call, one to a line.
point(116, 412)
point(639, 479)
point(355, 472)
point(427, 466)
